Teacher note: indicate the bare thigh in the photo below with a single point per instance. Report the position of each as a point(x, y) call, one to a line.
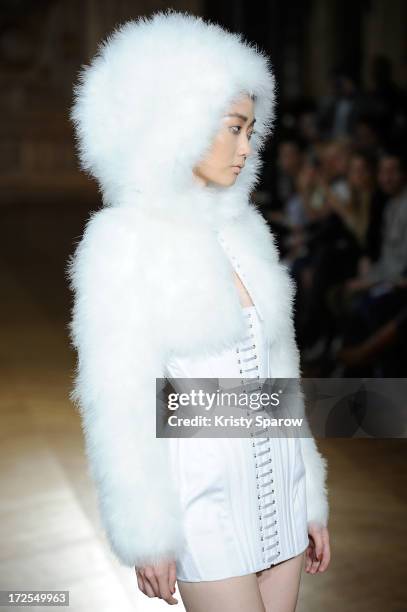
point(237, 594)
point(279, 585)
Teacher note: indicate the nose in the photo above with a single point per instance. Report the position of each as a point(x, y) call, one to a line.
point(244, 147)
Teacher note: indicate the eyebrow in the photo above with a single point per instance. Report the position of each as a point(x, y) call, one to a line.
point(240, 116)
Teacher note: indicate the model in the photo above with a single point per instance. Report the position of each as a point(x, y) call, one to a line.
point(178, 276)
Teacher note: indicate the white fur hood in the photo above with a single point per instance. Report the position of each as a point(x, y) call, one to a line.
point(151, 101)
point(152, 273)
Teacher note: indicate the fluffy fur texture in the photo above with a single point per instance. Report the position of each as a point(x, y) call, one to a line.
point(150, 275)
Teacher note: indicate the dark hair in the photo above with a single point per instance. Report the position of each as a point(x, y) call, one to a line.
point(294, 139)
point(398, 154)
point(369, 158)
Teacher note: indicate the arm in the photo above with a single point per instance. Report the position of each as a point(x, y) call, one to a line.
point(286, 357)
point(286, 362)
point(119, 357)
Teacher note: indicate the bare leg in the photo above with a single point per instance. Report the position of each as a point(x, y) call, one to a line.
point(279, 585)
point(237, 594)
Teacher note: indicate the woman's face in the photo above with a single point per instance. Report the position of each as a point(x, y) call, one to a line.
point(230, 147)
point(359, 174)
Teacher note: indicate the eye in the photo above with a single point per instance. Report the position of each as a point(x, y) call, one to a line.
point(239, 129)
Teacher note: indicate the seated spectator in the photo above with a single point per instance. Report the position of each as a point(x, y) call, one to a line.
point(330, 250)
point(385, 348)
point(388, 101)
point(339, 110)
point(324, 177)
point(392, 179)
point(378, 294)
point(370, 322)
point(290, 211)
point(367, 135)
point(290, 160)
point(355, 211)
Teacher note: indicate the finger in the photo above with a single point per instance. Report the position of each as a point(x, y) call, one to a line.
point(315, 563)
point(148, 588)
point(323, 563)
point(319, 547)
point(308, 558)
point(326, 557)
point(172, 576)
point(161, 575)
point(165, 592)
point(150, 577)
point(143, 585)
point(311, 554)
point(140, 582)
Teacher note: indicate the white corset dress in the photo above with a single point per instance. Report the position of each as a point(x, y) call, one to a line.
point(243, 499)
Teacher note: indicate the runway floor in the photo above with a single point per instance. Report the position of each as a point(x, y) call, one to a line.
point(50, 531)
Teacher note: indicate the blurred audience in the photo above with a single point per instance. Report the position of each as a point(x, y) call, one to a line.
point(374, 302)
point(339, 111)
point(339, 215)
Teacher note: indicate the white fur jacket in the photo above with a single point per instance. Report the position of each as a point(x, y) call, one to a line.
point(152, 273)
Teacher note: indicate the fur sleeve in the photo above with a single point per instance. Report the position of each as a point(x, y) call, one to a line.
point(119, 357)
point(286, 360)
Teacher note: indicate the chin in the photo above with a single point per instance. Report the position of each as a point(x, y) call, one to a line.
point(227, 181)
point(224, 180)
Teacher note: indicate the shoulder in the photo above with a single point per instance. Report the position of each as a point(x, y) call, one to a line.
point(253, 224)
point(111, 226)
point(115, 240)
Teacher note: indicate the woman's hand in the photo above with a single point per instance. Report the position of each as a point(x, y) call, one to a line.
point(158, 580)
point(318, 553)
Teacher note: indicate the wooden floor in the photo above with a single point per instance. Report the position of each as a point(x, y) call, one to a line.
point(50, 531)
